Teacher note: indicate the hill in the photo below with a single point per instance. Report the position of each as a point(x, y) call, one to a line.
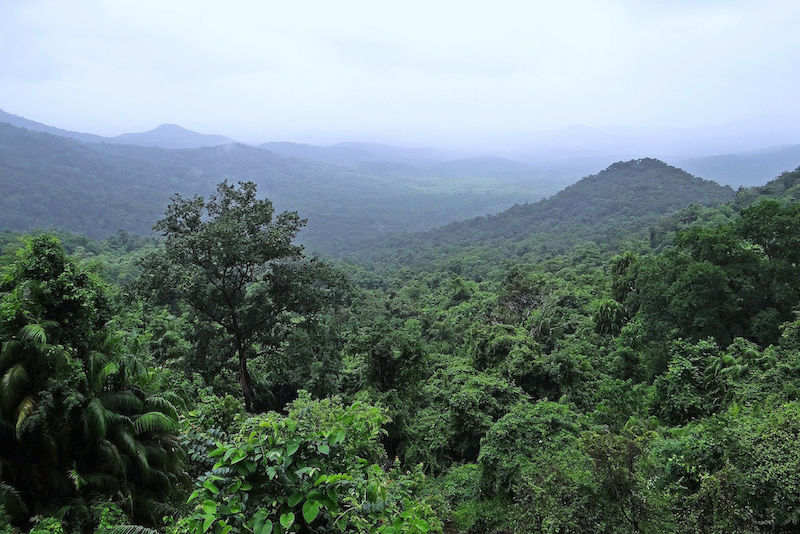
point(171, 136)
point(164, 136)
point(747, 168)
point(22, 122)
point(98, 188)
point(612, 206)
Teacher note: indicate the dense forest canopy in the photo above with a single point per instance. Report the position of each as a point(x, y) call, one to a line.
point(621, 357)
point(52, 182)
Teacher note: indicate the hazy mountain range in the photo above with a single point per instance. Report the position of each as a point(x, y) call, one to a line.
point(565, 154)
point(354, 194)
point(50, 181)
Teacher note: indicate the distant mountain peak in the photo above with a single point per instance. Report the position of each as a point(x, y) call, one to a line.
point(170, 126)
point(641, 163)
point(171, 136)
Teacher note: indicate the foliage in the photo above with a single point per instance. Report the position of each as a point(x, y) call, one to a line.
point(236, 266)
point(508, 376)
point(75, 422)
point(308, 470)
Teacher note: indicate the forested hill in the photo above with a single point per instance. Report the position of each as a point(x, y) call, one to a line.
point(22, 122)
point(51, 181)
point(615, 204)
point(171, 136)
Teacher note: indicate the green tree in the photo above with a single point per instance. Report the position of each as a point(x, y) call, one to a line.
point(234, 262)
point(74, 421)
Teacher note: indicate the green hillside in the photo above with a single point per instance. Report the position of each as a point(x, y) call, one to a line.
point(616, 205)
point(97, 188)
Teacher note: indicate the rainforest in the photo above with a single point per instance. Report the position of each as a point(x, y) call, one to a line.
point(629, 366)
point(353, 267)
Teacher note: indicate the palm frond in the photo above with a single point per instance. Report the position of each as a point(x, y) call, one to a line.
point(34, 333)
point(109, 369)
point(12, 500)
point(123, 402)
point(102, 481)
point(161, 404)
point(175, 399)
point(141, 456)
point(124, 440)
point(154, 422)
point(58, 358)
point(10, 354)
point(110, 457)
point(24, 410)
point(156, 455)
point(95, 420)
point(13, 383)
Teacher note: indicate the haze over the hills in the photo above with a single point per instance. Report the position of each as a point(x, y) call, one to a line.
point(509, 267)
point(97, 188)
point(665, 79)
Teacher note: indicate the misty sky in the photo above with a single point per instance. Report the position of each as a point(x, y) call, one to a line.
point(427, 72)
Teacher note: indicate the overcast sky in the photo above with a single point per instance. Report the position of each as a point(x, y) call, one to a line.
point(423, 72)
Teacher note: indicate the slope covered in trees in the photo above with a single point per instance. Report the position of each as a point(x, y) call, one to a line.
point(615, 205)
point(623, 357)
point(594, 390)
point(97, 189)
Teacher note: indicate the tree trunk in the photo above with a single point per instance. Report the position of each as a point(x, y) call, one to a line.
point(250, 399)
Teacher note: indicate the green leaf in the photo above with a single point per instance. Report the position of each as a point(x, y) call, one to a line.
point(209, 506)
point(292, 447)
point(262, 525)
point(295, 498)
point(240, 455)
point(209, 485)
point(323, 448)
point(287, 519)
point(209, 520)
point(310, 511)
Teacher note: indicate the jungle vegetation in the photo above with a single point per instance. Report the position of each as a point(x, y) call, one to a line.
point(623, 357)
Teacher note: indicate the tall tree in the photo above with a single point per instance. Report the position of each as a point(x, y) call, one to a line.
point(234, 262)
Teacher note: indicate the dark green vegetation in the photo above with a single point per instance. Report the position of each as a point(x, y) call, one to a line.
point(615, 206)
point(96, 189)
point(623, 357)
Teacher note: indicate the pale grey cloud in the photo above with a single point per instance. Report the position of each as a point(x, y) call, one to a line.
point(416, 71)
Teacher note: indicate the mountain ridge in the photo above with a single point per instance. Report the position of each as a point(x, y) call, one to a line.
point(51, 181)
point(615, 204)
